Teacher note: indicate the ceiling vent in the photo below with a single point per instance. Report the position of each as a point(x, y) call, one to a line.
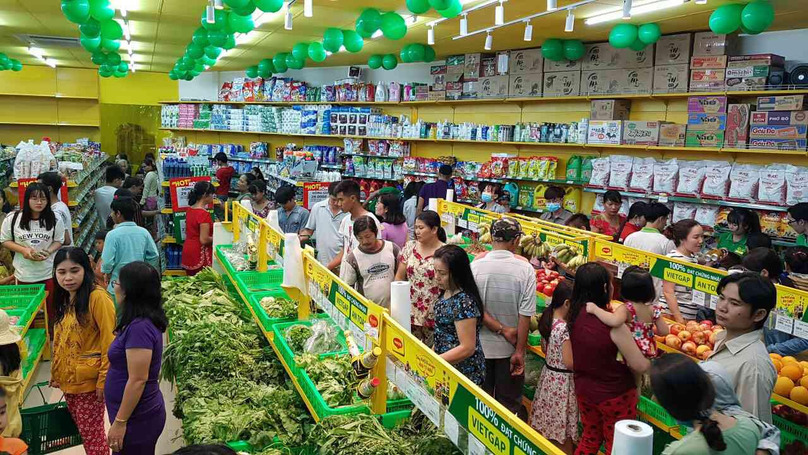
point(45, 42)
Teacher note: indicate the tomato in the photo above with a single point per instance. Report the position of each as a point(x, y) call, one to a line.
point(549, 289)
point(554, 282)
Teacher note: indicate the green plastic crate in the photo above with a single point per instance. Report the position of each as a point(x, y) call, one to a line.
point(321, 408)
point(799, 432)
point(653, 409)
point(534, 339)
point(35, 340)
point(254, 281)
point(394, 418)
point(255, 302)
point(286, 352)
point(27, 296)
point(24, 315)
point(246, 447)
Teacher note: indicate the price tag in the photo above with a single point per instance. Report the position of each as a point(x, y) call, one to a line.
point(784, 324)
point(462, 223)
point(621, 268)
point(713, 301)
point(473, 227)
point(451, 427)
point(800, 329)
point(699, 297)
point(663, 199)
point(475, 446)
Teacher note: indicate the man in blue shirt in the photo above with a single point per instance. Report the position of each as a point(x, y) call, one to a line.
point(291, 217)
point(126, 243)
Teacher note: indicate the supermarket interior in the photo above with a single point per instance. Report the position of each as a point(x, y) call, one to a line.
point(404, 227)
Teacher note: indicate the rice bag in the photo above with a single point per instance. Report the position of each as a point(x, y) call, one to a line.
point(796, 185)
point(772, 185)
point(691, 177)
point(598, 206)
point(716, 179)
point(665, 173)
point(744, 180)
point(620, 171)
point(600, 172)
point(642, 174)
point(706, 214)
point(683, 211)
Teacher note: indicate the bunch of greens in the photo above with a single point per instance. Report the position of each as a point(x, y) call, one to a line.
point(333, 376)
point(296, 336)
point(279, 308)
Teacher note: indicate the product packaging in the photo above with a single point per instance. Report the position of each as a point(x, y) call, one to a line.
point(701, 138)
point(572, 199)
point(779, 118)
point(707, 104)
point(526, 61)
point(781, 103)
point(683, 211)
point(573, 172)
point(796, 184)
point(640, 132)
point(708, 62)
point(665, 173)
point(672, 134)
point(600, 172)
point(737, 131)
point(493, 87)
point(622, 81)
point(772, 186)
point(562, 83)
point(671, 78)
point(605, 132)
point(673, 49)
point(473, 69)
point(777, 144)
point(778, 131)
point(744, 181)
point(620, 171)
point(716, 179)
point(523, 85)
point(706, 122)
point(609, 109)
point(707, 79)
point(642, 174)
point(561, 65)
point(709, 43)
point(691, 177)
point(706, 214)
point(438, 73)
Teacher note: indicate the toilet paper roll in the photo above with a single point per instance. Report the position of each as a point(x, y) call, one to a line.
point(400, 303)
point(632, 437)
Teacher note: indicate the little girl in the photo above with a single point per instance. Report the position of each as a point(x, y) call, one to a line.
point(555, 409)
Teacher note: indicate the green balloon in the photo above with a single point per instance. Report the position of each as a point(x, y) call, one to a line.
point(368, 22)
point(440, 4)
point(417, 52)
point(264, 74)
point(4, 60)
point(208, 61)
point(757, 16)
point(375, 61)
point(90, 44)
point(364, 33)
point(252, 71)
point(404, 54)
point(389, 62)
point(649, 33)
point(352, 41)
point(623, 35)
point(105, 71)
point(119, 74)
point(573, 49)
point(173, 76)
point(90, 28)
point(418, 6)
point(429, 54)
point(269, 6)
point(123, 66)
point(333, 39)
point(236, 4)
point(188, 77)
point(217, 37)
point(726, 19)
point(194, 50)
point(245, 10)
point(199, 67)
point(747, 31)
point(111, 29)
point(111, 45)
point(452, 11)
point(76, 11)
point(317, 52)
point(637, 45)
point(113, 59)
point(16, 65)
point(101, 10)
point(393, 26)
point(241, 24)
point(552, 49)
point(229, 43)
point(220, 20)
point(300, 51)
point(279, 60)
point(294, 63)
point(188, 63)
point(213, 52)
point(266, 66)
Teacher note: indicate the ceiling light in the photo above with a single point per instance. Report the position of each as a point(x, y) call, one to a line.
point(40, 54)
point(377, 34)
point(308, 8)
point(552, 5)
point(218, 4)
point(646, 7)
point(411, 20)
point(123, 12)
point(626, 9)
point(287, 20)
point(430, 36)
point(210, 14)
point(499, 14)
point(570, 25)
point(489, 41)
point(464, 25)
point(701, 2)
point(528, 31)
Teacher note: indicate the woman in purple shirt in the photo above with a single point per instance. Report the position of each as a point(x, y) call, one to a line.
point(132, 391)
point(388, 209)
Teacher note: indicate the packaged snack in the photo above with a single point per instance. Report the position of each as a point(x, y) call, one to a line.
point(744, 180)
point(499, 167)
point(721, 216)
point(683, 211)
point(716, 179)
point(586, 168)
point(514, 166)
point(572, 199)
point(525, 196)
point(485, 170)
point(552, 166)
point(600, 172)
point(772, 186)
point(620, 171)
point(691, 176)
point(665, 173)
point(574, 168)
point(642, 174)
point(460, 188)
point(524, 168)
point(543, 168)
point(706, 214)
point(597, 207)
point(535, 168)
point(770, 223)
point(796, 185)
point(539, 203)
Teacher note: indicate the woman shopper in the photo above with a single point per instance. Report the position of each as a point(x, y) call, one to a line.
point(634, 221)
point(371, 266)
point(197, 252)
point(83, 332)
point(388, 209)
point(490, 197)
point(34, 234)
point(135, 404)
point(688, 236)
point(459, 314)
point(11, 376)
point(418, 268)
point(610, 220)
point(258, 203)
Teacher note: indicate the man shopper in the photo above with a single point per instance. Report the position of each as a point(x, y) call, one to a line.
point(126, 243)
point(103, 196)
point(324, 222)
point(798, 220)
point(508, 288)
point(435, 190)
point(53, 180)
point(555, 213)
point(650, 237)
point(348, 192)
point(291, 217)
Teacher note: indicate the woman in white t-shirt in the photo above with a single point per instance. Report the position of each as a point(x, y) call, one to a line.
point(371, 266)
point(688, 237)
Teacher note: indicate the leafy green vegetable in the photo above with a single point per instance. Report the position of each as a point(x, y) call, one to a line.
point(296, 336)
point(279, 308)
point(333, 376)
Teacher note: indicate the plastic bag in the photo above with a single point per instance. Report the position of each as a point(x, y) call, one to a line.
point(706, 214)
point(716, 179)
point(642, 174)
point(796, 185)
point(744, 180)
point(691, 177)
point(620, 171)
point(323, 339)
point(683, 211)
point(600, 172)
point(665, 173)
point(772, 186)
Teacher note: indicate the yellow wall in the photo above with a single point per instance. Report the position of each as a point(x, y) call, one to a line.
point(143, 88)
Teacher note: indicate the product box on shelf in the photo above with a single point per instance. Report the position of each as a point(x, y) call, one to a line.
point(640, 133)
point(521, 85)
point(602, 56)
point(671, 78)
point(672, 134)
point(737, 131)
point(437, 95)
point(455, 66)
point(707, 104)
point(673, 49)
point(708, 62)
point(438, 73)
point(623, 81)
point(707, 79)
point(709, 43)
point(562, 83)
point(606, 132)
point(563, 65)
point(471, 89)
point(740, 61)
point(473, 65)
point(739, 84)
point(778, 144)
point(421, 93)
point(700, 138)
point(778, 131)
point(454, 90)
point(525, 61)
point(609, 109)
point(706, 122)
point(493, 87)
point(780, 118)
point(781, 103)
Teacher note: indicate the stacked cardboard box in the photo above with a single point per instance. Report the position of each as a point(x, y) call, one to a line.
point(706, 121)
point(755, 72)
point(608, 70)
point(709, 62)
point(455, 66)
point(525, 73)
point(671, 70)
point(437, 90)
point(562, 78)
point(779, 123)
point(737, 131)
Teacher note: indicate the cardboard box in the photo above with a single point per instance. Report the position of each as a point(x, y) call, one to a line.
point(671, 78)
point(563, 65)
point(673, 49)
point(525, 61)
point(455, 65)
point(672, 134)
point(471, 89)
point(436, 95)
point(708, 43)
point(778, 131)
point(748, 71)
point(473, 66)
point(708, 62)
point(698, 138)
point(737, 130)
point(493, 87)
point(712, 75)
point(778, 144)
point(563, 83)
point(454, 90)
point(602, 56)
point(781, 103)
point(707, 86)
point(605, 132)
point(623, 81)
point(746, 83)
point(438, 73)
point(522, 85)
point(609, 109)
point(707, 122)
point(757, 59)
point(637, 59)
point(779, 118)
point(490, 67)
point(640, 133)
point(707, 104)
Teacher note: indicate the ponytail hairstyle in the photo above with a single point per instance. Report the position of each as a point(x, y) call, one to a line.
point(432, 220)
point(201, 189)
point(561, 295)
point(688, 394)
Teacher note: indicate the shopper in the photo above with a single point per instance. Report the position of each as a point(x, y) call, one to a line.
point(11, 446)
point(224, 174)
point(83, 331)
point(741, 223)
point(197, 252)
point(371, 266)
point(100, 239)
point(797, 267)
point(122, 161)
point(579, 221)
point(650, 237)
point(610, 220)
point(687, 393)
point(11, 376)
point(243, 186)
point(411, 204)
point(291, 217)
point(373, 198)
point(388, 209)
point(555, 211)
point(114, 178)
point(135, 405)
point(759, 240)
point(489, 197)
point(151, 185)
point(634, 221)
point(798, 220)
point(508, 287)
point(34, 234)
point(435, 190)
point(258, 203)
point(688, 236)
point(458, 314)
point(554, 411)
point(605, 387)
point(6, 258)
point(348, 193)
point(418, 267)
point(135, 187)
point(126, 243)
point(256, 171)
point(744, 302)
point(324, 222)
point(504, 202)
point(53, 181)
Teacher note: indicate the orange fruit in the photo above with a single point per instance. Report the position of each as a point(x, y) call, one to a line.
point(783, 386)
point(804, 382)
point(792, 371)
point(799, 394)
point(789, 358)
point(778, 365)
point(775, 356)
point(804, 365)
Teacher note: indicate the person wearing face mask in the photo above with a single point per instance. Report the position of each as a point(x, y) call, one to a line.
point(489, 198)
point(555, 212)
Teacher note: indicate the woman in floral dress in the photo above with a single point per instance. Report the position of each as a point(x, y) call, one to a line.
point(416, 267)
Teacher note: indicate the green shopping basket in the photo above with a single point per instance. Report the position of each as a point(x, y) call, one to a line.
point(48, 428)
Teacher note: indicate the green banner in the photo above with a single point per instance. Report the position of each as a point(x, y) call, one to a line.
point(179, 227)
point(691, 277)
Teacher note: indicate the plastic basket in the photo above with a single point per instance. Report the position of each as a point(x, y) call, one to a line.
point(534, 339)
point(799, 432)
point(35, 340)
point(321, 408)
point(288, 356)
point(654, 410)
point(394, 418)
point(255, 302)
point(23, 316)
point(48, 428)
point(253, 281)
point(27, 296)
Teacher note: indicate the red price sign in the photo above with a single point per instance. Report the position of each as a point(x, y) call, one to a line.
point(22, 185)
point(314, 192)
point(180, 190)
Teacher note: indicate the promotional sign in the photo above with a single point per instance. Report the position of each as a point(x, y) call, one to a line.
point(22, 185)
point(179, 227)
point(180, 188)
point(314, 192)
point(274, 240)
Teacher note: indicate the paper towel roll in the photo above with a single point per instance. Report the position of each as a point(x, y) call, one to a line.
point(450, 195)
point(400, 303)
point(632, 437)
point(293, 275)
point(273, 220)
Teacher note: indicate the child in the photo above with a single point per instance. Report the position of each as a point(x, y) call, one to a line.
point(11, 446)
point(742, 223)
point(100, 237)
point(555, 409)
point(797, 266)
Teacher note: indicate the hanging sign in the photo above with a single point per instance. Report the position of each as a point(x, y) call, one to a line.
point(314, 192)
point(180, 190)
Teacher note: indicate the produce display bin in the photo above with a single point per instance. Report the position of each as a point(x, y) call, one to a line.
point(23, 316)
point(255, 302)
point(26, 296)
point(254, 281)
point(653, 409)
point(321, 408)
point(220, 253)
point(288, 356)
point(394, 418)
point(35, 340)
point(796, 431)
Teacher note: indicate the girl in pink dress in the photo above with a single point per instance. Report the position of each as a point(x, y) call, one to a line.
point(554, 411)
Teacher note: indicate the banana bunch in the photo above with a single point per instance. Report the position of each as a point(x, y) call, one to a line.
point(569, 255)
point(485, 234)
point(531, 246)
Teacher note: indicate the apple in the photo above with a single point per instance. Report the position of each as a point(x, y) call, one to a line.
point(707, 322)
point(699, 338)
point(659, 339)
point(701, 349)
point(684, 335)
point(676, 328)
point(717, 328)
point(711, 338)
point(692, 326)
point(673, 341)
point(548, 290)
point(705, 354)
point(689, 348)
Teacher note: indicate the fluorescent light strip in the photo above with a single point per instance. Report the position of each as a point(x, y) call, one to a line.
point(522, 20)
point(645, 7)
point(465, 12)
point(40, 54)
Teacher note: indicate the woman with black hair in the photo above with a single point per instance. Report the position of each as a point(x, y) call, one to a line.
point(83, 330)
point(388, 210)
point(688, 394)
point(741, 223)
point(197, 252)
point(610, 220)
point(258, 203)
point(11, 376)
point(634, 221)
point(135, 404)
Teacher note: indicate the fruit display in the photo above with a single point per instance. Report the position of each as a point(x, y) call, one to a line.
point(547, 280)
point(531, 246)
point(569, 255)
point(695, 339)
point(792, 378)
point(790, 414)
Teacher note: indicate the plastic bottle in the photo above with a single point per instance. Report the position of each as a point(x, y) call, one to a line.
point(353, 348)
